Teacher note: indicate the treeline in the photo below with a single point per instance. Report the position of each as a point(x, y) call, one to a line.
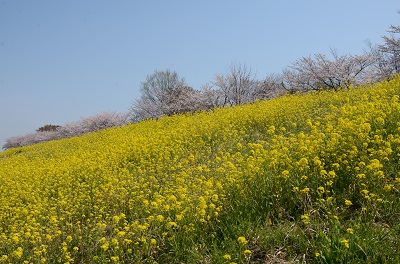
point(166, 93)
point(81, 127)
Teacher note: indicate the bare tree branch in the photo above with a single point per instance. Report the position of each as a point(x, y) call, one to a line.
point(237, 85)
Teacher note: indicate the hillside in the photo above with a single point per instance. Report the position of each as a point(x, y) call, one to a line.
point(310, 178)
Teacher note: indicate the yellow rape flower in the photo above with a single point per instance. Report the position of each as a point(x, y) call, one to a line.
point(305, 218)
point(227, 257)
point(345, 242)
point(388, 187)
point(18, 253)
point(242, 240)
point(247, 252)
point(347, 202)
point(172, 224)
point(305, 190)
point(104, 246)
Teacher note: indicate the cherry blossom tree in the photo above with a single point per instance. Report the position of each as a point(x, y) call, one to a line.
point(237, 85)
point(81, 127)
point(165, 93)
point(391, 49)
point(320, 72)
point(269, 88)
point(158, 94)
point(93, 123)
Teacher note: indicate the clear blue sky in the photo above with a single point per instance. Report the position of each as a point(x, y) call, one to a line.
point(63, 60)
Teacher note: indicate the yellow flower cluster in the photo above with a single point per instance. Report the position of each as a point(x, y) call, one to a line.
point(122, 194)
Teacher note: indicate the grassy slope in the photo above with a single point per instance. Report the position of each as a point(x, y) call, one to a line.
point(308, 178)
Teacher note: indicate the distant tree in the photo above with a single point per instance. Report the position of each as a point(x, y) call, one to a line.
point(164, 93)
point(320, 72)
point(209, 97)
point(160, 86)
point(391, 50)
point(237, 85)
point(30, 139)
point(103, 120)
point(81, 127)
point(144, 108)
point(269, 88)
point(13, 142)
point(180, 100)
point(93, 123)
point(47, 128)
point(381, 65)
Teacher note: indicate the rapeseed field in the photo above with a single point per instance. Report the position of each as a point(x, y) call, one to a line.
point(303, 178)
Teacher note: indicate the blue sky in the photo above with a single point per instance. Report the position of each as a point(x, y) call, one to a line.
point(63, 60)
